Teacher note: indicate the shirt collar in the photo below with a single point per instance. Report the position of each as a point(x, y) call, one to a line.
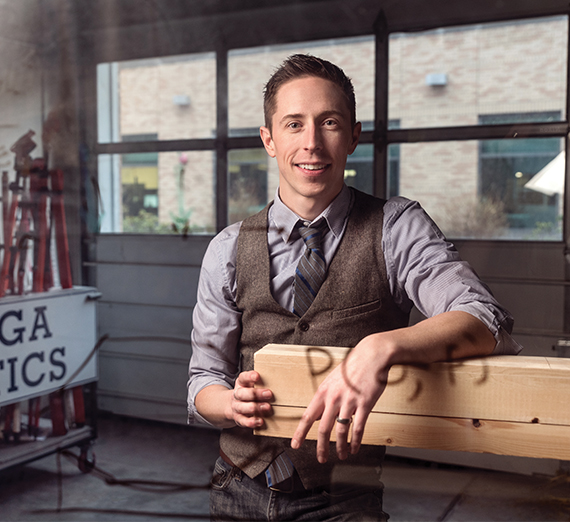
point(285, 220)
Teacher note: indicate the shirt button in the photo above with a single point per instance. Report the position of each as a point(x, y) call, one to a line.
point(304, 327)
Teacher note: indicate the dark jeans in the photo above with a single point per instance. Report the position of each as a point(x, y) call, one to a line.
point(234, 496)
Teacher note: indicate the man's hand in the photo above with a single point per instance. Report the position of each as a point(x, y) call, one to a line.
point(249, 405)
point(349, 392)
point(353, 388)
point(244, 405)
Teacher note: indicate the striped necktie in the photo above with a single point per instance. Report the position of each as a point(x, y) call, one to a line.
point(279, 470)
point(311, 270)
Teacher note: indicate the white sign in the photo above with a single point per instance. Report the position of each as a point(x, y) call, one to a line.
point(46, 342)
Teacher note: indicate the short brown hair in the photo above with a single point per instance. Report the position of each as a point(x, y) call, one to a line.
point(300, 66)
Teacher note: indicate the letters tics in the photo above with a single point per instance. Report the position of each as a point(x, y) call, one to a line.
point(32, 362)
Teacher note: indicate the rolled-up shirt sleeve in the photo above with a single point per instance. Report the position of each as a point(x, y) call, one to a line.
point(216, 322)
point(425, 270)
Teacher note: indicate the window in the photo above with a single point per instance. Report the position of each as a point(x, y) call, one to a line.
point(506, 170)
point(156, 124)
point(171, 97)
point(485, 199)
point(448, 77)
point(176, 195)
point(176, 154)
point(480, 116)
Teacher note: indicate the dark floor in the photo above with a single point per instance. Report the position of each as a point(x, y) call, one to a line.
point(151, 471)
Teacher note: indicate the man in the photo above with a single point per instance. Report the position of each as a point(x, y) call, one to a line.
point(366, 263)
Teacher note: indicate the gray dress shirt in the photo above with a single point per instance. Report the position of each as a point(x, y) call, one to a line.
point(423, 269)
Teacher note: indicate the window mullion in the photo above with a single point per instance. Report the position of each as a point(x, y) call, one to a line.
point(479, 132)
point(221, 189)
point(380, 180)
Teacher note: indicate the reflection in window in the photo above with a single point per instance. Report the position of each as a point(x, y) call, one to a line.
point(248, 183)
point(139, 184)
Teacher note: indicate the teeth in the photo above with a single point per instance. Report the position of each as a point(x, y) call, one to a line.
point(306, 166)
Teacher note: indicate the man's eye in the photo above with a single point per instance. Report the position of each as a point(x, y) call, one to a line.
point(294, 125)
point(330, 123)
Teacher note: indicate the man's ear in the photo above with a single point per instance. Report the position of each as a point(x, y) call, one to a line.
point(267, 140)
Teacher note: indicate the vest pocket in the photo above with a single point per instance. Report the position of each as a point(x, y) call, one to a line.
point(353, 311)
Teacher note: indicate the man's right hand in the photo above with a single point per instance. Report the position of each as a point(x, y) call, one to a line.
point(244, 406)
point(249, 405)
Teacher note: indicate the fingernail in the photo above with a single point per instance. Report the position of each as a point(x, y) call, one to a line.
point(266, 394)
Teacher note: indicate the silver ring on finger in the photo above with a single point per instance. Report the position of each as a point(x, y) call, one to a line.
point(341, 420)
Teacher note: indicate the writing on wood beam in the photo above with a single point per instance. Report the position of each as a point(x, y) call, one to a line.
point(506, 405)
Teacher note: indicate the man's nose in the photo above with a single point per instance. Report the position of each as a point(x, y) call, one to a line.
point(313, 138)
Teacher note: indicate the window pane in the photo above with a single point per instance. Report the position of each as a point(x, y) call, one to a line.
point(169, 98)
point(249, 182)
point(452, 76)
point(175, 194)
point(488, 190)
point(249, 70)
point(359, 172)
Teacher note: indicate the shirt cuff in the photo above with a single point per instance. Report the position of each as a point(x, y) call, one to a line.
point(194, 418)
point(499, 325)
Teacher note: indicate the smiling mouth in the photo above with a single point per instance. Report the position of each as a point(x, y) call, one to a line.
point(310, 166)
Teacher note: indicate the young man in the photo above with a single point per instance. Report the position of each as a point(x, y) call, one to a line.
point(367, 261)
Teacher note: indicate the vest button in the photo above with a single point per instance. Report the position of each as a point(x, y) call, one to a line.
point(304, 327)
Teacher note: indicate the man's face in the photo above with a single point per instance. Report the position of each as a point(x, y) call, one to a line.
point(311, 137)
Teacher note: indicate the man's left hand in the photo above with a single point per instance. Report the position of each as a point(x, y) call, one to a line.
point(350, 391)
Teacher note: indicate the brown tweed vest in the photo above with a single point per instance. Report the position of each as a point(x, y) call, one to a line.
point(353, 302)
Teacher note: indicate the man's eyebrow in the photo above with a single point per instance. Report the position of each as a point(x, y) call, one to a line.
point(291, 117)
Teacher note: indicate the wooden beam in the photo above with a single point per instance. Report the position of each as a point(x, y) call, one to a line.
point(508, 405)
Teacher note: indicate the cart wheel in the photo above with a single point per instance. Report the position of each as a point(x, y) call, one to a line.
point(86, 461)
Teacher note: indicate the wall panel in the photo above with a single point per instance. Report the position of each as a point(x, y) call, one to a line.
point(528, 279)
point(148, 286)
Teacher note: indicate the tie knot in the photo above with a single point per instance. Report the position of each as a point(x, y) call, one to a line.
point(313, 234)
